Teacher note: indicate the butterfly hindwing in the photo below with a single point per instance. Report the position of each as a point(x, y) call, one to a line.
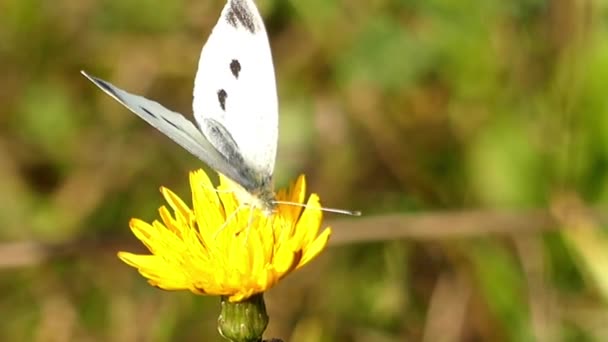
point(183, 132)
point(235, 86)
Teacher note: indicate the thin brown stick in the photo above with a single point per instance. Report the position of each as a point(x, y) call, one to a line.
point(445, 225)
point(423, 226)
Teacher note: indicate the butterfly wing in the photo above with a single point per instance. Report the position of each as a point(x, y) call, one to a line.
point(182, 131)
point(235, 88)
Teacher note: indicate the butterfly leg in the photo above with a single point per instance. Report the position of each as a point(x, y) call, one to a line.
point(228, 219)
point(249, 222)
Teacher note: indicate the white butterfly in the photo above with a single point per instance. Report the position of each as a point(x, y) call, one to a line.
point(235, 106)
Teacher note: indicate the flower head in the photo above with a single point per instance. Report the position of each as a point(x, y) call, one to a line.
point(220, 247)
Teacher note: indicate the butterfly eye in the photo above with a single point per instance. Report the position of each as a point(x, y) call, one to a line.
point(221, 96)
point(235, 68)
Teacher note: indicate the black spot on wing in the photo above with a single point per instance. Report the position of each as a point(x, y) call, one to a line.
point(221, 97)
point(171, 123)
point(240, 14)
point(235, 68)
point(149, 112)
point(106, 87)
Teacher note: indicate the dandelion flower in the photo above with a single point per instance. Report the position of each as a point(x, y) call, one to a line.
point(220, 247)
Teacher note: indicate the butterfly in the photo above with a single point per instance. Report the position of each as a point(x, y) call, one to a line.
point(235, 106)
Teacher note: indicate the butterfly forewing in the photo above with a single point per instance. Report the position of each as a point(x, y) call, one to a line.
point(235, 87)
point(235, 103)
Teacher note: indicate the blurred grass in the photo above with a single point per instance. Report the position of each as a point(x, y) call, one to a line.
point(388, 106)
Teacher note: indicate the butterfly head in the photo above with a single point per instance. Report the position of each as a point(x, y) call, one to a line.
point(265, 200)
point(262, 197)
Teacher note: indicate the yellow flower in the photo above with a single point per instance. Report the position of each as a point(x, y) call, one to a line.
point(213, 250)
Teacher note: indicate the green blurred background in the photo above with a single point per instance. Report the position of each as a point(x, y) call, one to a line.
point(396, 107)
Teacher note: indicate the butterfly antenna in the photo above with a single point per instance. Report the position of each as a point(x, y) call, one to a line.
point(329, 210)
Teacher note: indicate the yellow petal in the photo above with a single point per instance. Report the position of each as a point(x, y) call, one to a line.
point(315, 248)
point(182, 212)
point(308, 225)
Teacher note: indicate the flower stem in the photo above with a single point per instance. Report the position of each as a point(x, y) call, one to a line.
point(243, 321)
